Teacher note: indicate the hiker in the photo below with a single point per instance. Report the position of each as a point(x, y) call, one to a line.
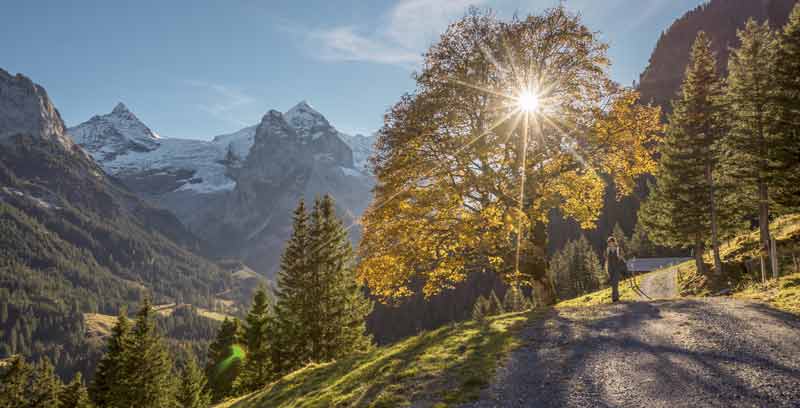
point(615, 267)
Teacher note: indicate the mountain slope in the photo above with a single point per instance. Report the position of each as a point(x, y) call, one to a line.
point(75, 241)
point(719, 19)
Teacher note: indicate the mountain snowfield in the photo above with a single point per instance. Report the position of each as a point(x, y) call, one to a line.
point(124, 146)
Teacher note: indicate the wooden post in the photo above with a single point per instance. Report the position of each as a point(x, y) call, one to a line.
point(773, 249)
point(763, 269)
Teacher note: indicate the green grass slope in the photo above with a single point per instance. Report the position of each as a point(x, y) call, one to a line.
point(740, 256)
point(440, 368)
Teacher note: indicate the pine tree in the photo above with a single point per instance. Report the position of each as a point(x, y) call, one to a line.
point(341, 305)
point(257, 370)
point(150, 382)
point(514, 300)
point(640, 245)
point(576, 269)
point(785, 156)
point(293, 297)
point(109, 385)
point(480, 309)
point(15, 383)
point(321, 310)
point(225, 359)
point(682, 207)
point(46, 387)
point(495, 307)
point(747, 147)
point(594, 275)
point(75, 395)
point(193, 392)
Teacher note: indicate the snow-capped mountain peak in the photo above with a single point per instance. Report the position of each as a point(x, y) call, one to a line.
point(120, 109)
point(306, 119)
point(113, 134)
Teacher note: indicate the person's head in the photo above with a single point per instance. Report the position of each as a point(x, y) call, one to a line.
point(612, 242)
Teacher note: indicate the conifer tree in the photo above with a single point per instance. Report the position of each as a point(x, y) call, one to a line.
point(109, 385)
point(344, 305)
point(14, 384)
point(495, 307)
point(46, 387)
point(785, 156)
point(514, 300)
point(480, 309)
point(640, 245)
point(576, 269)
point(257, 370)
point(682, 209)
point(193, 392)
point(75, 395)
point(150, 382)
point(321, 310)
point(746, 148)
point(293, 297)
point(225, 359)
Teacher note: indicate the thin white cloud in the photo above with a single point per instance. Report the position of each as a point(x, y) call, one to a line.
point(406, 30)
point(224, 101)
point(345, 44)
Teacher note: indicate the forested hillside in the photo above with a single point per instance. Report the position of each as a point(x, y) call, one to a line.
point(74, 241)
point(719, 19)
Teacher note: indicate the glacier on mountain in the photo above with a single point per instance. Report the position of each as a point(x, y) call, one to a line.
point(125, 147)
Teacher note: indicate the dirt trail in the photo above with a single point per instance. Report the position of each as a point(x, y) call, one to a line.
point(676, 353)
point(660, 285)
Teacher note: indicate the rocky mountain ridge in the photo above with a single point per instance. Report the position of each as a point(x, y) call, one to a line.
point(234, 188)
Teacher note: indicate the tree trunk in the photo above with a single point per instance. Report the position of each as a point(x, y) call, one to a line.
point(699, 248)
point(763, 221)
point(714, 224)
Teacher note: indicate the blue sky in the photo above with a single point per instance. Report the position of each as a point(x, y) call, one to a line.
point(195, 69)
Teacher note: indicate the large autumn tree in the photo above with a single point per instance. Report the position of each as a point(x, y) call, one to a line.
point(494, 98)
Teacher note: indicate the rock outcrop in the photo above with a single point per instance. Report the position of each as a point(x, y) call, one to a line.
point(26, 109)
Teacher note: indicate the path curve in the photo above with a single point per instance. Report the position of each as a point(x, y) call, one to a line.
point(717, 352)
point(660, 285)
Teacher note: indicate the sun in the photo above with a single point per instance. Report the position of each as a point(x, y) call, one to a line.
point(528, 101)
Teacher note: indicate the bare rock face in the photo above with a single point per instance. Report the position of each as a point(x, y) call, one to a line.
point(323, 139)
point(294, 155)
point(26, 109)
point(275, 169)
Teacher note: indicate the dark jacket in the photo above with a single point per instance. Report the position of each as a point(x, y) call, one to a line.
point(615, 264)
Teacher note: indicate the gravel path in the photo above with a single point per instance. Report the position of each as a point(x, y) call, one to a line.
point(716, 352)
point(660, 285)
